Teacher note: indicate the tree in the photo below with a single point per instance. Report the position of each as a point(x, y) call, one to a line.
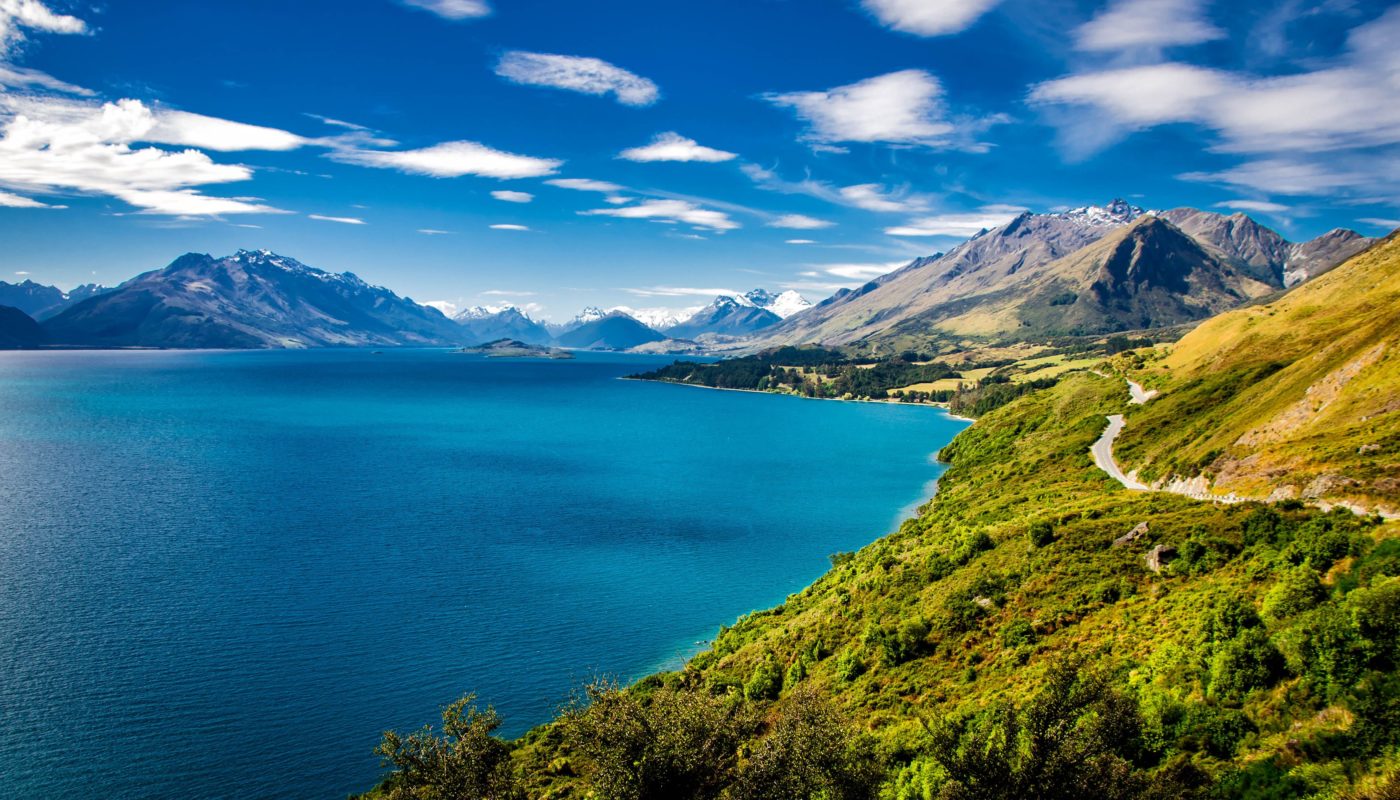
point(465, 762)
point(809, 753)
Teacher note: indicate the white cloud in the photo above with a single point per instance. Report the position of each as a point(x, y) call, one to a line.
point(506, 293)
point(453, 9)
point(17, 16)
point(1148, 25)
point(902, 107)
point(959, 225)
point(872, 197)
point(586, 185)
point(51, 145)
point(859, 272)
point(929, 17)
point(341, 220)
point(23, 78)
point(433, 232)
point(679, 291)
point(1261, 206)
point(671, 210)
point(800, 241)
point(800, 222)
point(1299, 123)
point(447, 307)
point(451, 160)
point(9, 200)
point(212, 133)
point(511, 196)
point(1387, 224)
point(577, 74)
point(509, 227)
point(672, 146)
point(22, 272)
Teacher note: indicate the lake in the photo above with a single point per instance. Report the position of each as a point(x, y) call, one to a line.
point(223, 574)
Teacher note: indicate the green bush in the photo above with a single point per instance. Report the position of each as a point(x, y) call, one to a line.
point(1297, 590)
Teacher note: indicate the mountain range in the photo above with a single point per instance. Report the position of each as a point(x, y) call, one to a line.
point(252, 299)
point(40, 301)
point(1086, 271)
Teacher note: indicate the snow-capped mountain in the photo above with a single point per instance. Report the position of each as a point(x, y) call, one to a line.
point(784, 304)
point(726, 315)
point(251, 299)
point(658, 318)
point(482, 324)
point(1116, 213)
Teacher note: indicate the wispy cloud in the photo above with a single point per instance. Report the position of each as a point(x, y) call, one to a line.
point(341, 220)
point(1386, 224)
point(873, 197)
point(799, 222)
point(505, 226)
point(958, 225)
point(9, 200)
point(671, 210)
point(19, 16)
point(511, 196)
point(585, 185)
point(433, 232)
point(577, 74)
point(861, 272)
point(678, 291)
point(50, 144)
point(1350, 107)
point(455, 10)
point(452, 160)
point(1261, 206)
point(929, 17)
point(904, 107)
point(867, 196)
point(672, 146)
point(1147, 24)
point(800, 241)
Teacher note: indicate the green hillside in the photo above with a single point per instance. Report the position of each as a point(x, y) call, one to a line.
point(1296, 398)
point(1015, 639)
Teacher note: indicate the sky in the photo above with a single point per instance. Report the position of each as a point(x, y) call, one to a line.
point(558, 154)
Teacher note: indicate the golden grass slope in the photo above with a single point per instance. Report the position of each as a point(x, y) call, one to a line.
point(1296, 398)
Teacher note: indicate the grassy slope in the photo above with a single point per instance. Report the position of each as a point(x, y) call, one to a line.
point(979, 612)
point(1297, 396)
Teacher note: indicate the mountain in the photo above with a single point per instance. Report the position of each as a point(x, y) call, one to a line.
point(18, 329)
point(612, 331)
point(1301, 394)
point(480, 325)
point(784, 304)
point(658, 319)
point(252, 299)
point(1000, 285)
point(40, 301)
point(1264, 254)
point(1146, 275)
point(725, 316)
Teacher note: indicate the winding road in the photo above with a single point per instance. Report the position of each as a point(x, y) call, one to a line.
point(1102, 451)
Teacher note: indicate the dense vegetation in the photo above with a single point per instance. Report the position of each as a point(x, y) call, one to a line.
point(808, 371)
point(1000, 646)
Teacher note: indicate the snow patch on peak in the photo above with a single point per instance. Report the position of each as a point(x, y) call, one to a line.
point(1117, 212)
point(482, 312)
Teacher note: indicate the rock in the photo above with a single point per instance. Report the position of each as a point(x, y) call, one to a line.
point(1132, 536)
point(984, 602)
point(1159, 557)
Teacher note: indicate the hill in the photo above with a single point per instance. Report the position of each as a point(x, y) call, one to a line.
point(1037, 630)
point(612, 331)
point(487, 325)
point(18, 329)
point(252, 299)
point(1300, 394)
point(724, 316)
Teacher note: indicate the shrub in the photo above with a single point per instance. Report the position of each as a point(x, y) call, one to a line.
point(1297, 590)
point(1249, 661)
point(464, 761)
point(1041, 533)
point(765, 683)
point(849, 665)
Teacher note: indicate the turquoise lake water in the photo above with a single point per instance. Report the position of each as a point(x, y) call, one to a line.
point(222, 575)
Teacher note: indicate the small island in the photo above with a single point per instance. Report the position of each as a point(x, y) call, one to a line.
point(514, 348)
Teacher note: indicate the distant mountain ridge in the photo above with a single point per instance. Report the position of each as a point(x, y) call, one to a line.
point(1006, 284)
point(18, 329)
point(40, 301)
point(251, 299)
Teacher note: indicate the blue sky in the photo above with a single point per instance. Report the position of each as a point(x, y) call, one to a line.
point(641, 153)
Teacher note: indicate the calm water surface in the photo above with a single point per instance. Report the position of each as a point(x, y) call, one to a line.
point(223, 574)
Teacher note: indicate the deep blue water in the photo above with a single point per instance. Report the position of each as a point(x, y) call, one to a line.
point(223, 574)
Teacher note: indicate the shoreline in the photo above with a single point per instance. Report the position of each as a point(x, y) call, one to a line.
point(940, 406)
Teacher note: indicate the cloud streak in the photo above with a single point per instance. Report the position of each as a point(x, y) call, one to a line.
point(671, 146)
point(590, 76)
